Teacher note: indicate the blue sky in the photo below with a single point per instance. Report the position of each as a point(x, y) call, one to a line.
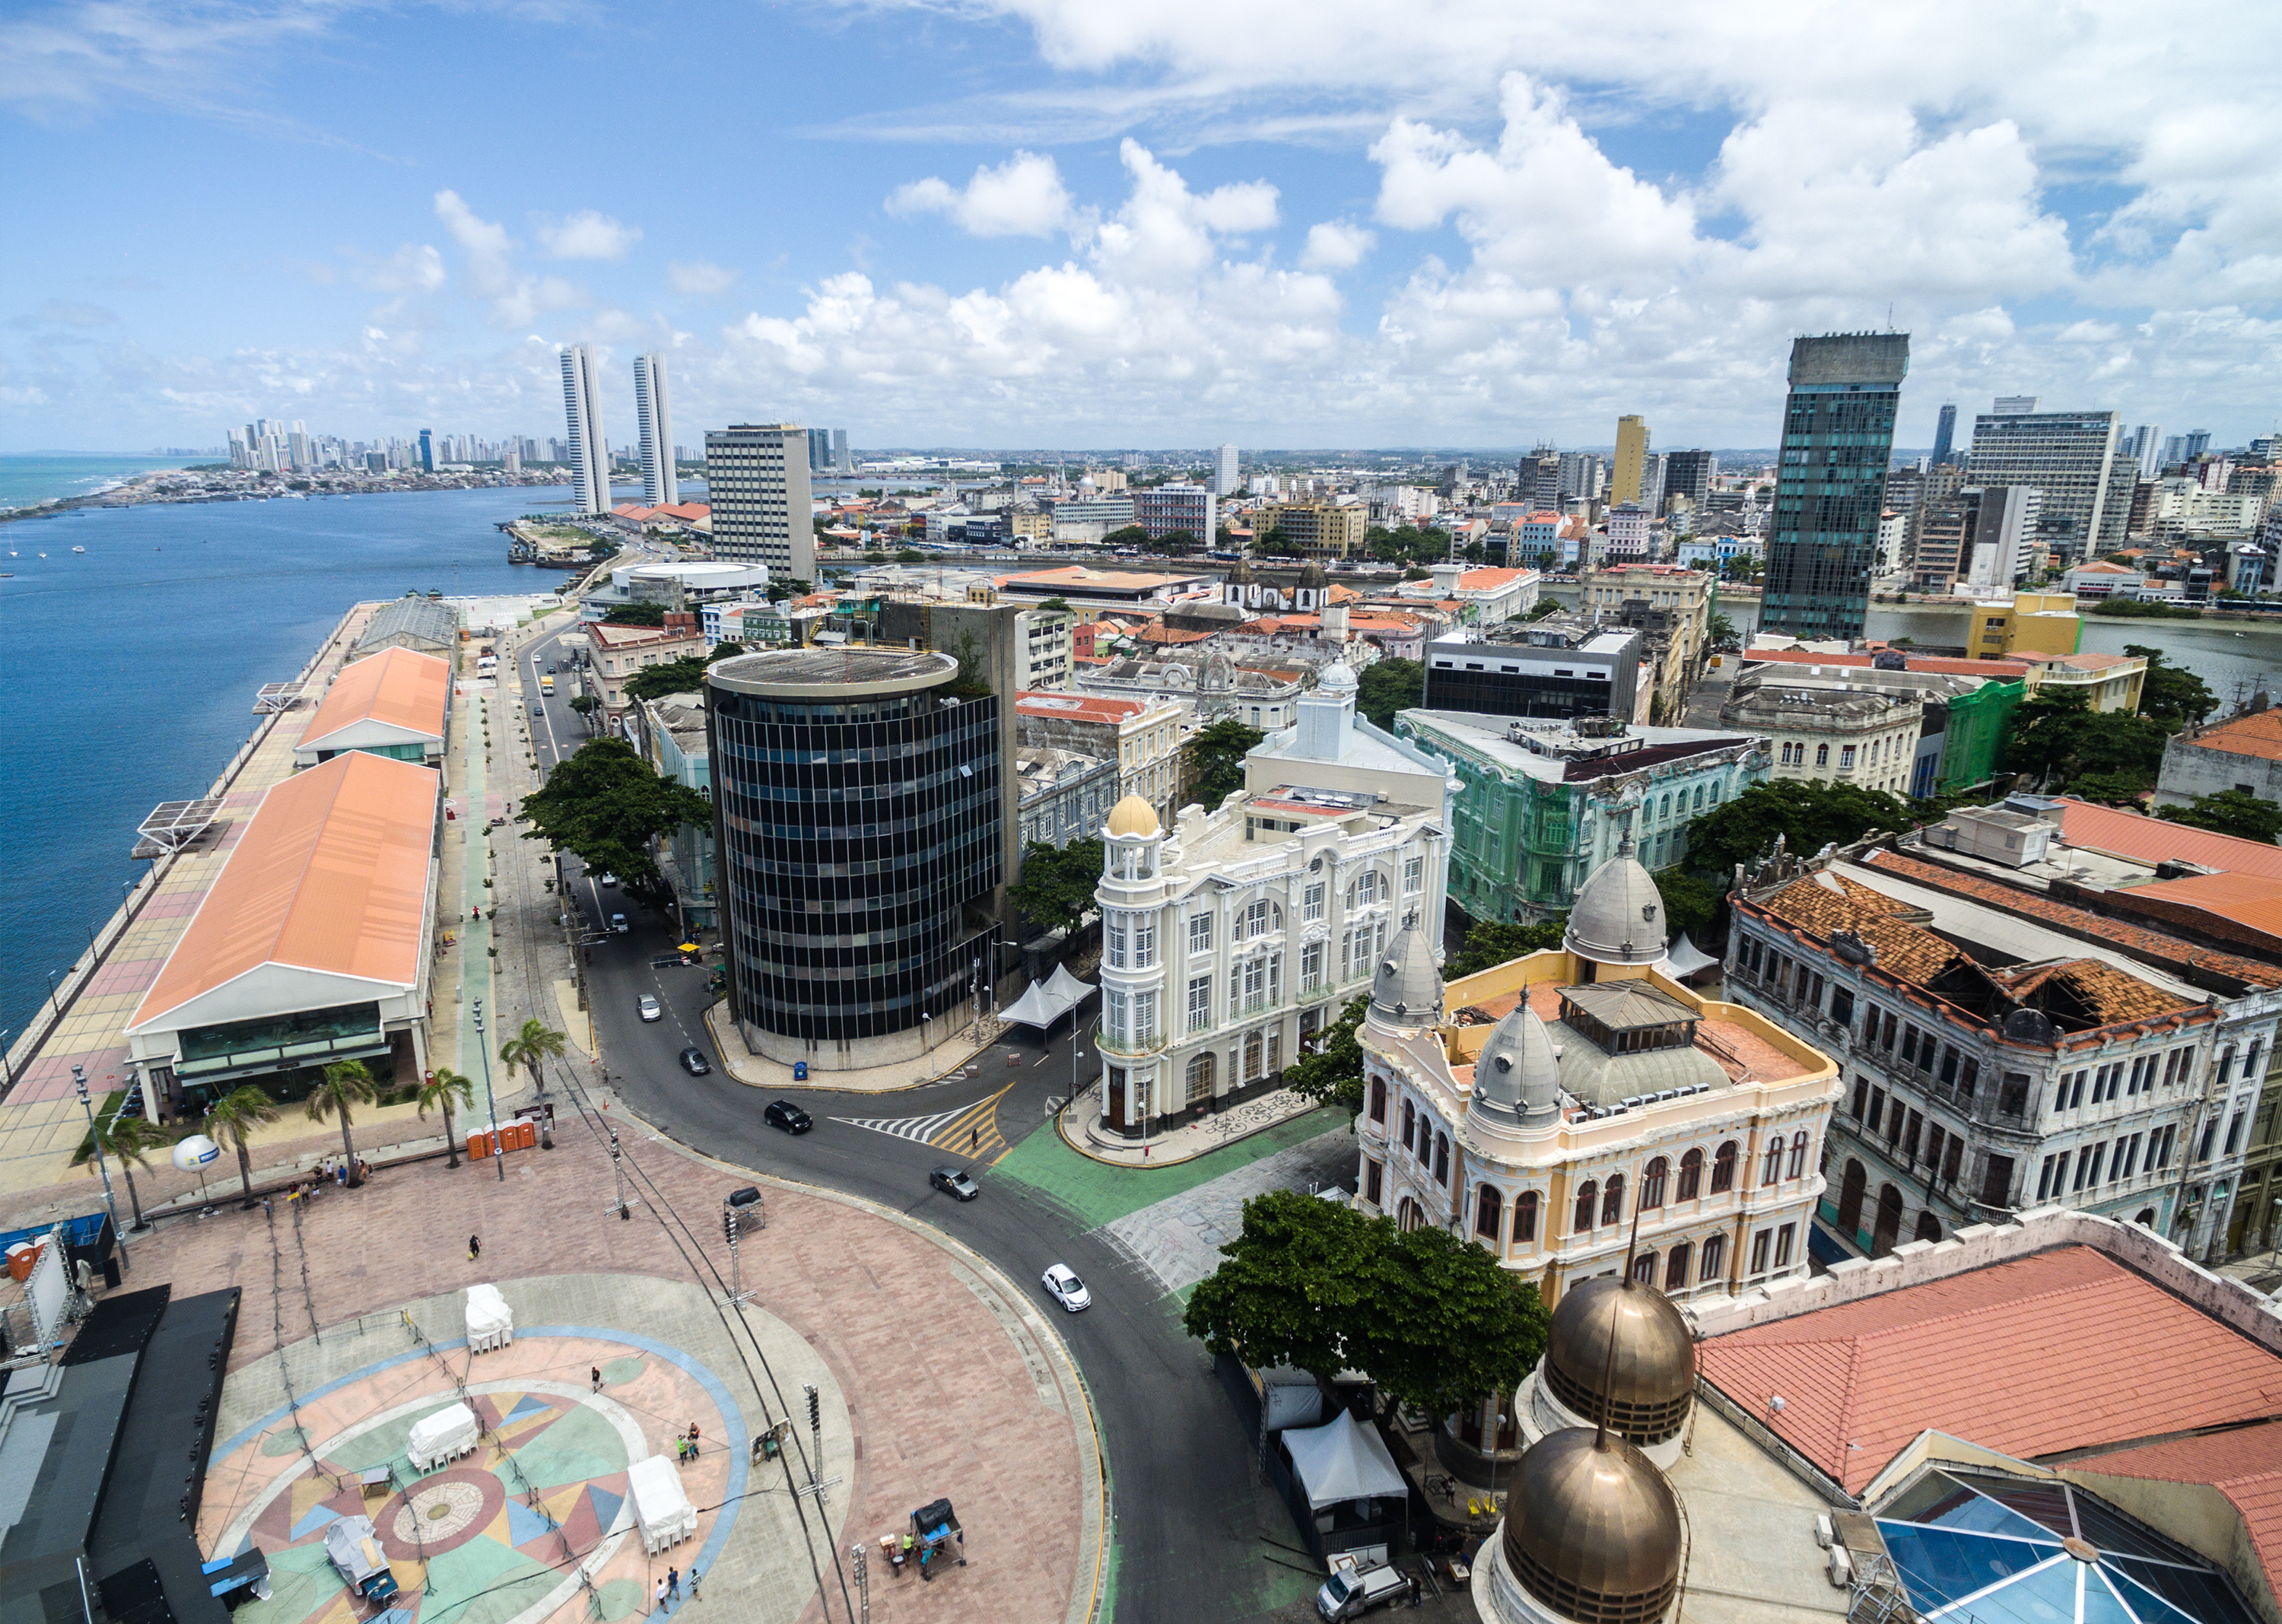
point(1049, 222)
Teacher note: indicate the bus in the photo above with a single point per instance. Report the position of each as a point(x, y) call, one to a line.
point(547, 685)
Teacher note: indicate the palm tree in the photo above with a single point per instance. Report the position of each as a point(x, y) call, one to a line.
point(345, 1084)
point(445, 1089)
point(231, 1121)
point(533, 1047)
point(129, 1138)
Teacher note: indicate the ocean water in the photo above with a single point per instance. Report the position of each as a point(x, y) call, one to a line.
point(25, 482)
point(130, 669)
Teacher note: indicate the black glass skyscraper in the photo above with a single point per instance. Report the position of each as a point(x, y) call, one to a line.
point(1945, 434)
point(1830, 485)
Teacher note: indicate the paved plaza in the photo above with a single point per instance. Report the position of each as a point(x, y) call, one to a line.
point(1178, 1239)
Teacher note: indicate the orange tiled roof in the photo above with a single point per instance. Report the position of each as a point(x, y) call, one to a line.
point(2245, 1465)
point(2252, 901)
point(331, 874)
point(2061, 1351)
point(2000, 670)
point(2259, 735)
point(1905, 949)
point(398, 687)
point(2152, 839)
point(1084, 707)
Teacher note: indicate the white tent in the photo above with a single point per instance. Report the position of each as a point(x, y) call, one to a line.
point(450, 1433)
point(491, 1322)
point(1068, 988)
point(1036, 1007)
point(1341, 1461)
point(1686, 957)
point(661, 1507)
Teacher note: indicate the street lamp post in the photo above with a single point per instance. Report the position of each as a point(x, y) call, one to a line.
point(490, 1106)
point(79, 1085)
point(6, 1079)
point(52, 1004)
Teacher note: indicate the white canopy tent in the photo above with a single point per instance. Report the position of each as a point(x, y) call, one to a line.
point(1686, 957)
point(1068, 988)
point(1037, 1007)
point(1342, 1460)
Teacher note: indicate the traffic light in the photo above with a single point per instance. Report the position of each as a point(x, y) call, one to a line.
point(729, 1227)
point(815, 1410)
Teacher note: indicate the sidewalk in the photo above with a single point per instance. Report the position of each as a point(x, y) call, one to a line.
point(732, 1055)
point(1079, 1123)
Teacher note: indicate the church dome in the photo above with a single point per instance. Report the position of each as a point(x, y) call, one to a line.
point(1592, 1529)
point(1239, 574)
point(1517, 1074)
point(1311, 574)
point(1407, 989)
point(1338, 678)
point(1134, 816)
point(1645, 1389)
point(1619, 915)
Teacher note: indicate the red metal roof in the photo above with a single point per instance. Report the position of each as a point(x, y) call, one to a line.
point(2065, 1350)
point(2153, 840)
point(1998, 671)
point(401, 688)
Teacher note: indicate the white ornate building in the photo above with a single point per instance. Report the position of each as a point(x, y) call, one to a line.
point(1228, 942)
point(1545, 1106)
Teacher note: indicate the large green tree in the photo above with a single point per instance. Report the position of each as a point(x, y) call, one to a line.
point(1389, 686)
point(1809, 814)
point(606, 803)
point(1491, 942)
point(1056, 890)
point(634, 614)
point(1313, 1284)
point(344, 1085)
point(1131, 535)
point(2231, 811)
point(233, 1119)
point(126, 1138)
point(2057, 738)
point(1330, 1073)
point(686, 675)
point(1216, 753)
point(2173, 693)
point(1689, 905)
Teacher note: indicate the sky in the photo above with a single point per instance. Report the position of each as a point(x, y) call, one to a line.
point(1078, 223)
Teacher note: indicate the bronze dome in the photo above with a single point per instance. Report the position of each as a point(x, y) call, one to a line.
point(1592, 1530)
point(1645, 1390)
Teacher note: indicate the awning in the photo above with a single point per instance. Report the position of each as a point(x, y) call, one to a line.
point(1343, 1460)
point(1038, 1007)
point(1068, 988)
point(1687, 957)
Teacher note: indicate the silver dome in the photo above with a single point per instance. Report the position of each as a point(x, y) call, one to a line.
point(1517, 1074)
point(1407, 990)
point(1619, 915)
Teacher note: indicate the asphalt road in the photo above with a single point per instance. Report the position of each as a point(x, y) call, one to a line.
point(1186, 1513)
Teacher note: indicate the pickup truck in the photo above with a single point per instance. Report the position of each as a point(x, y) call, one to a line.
point(1351, 1592)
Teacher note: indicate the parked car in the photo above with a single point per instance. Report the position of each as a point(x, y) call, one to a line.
point(785, 1115)
point(954, 1183)
point(649, 1009)
point(1066, 1289)
point(618, 924)
point(550, 669)
point(537, 709)
point(693, 1062)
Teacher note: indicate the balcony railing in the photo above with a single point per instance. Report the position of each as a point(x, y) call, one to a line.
point(1136, 1045)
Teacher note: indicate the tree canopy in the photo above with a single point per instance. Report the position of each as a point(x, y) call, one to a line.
point(1177, 543)
point(2057, 739)
point(1056, 890)
point(606, 803)
point(2230, 811)
point(1491, 942)
point(1217, 752)
point(1689, 905)
point(1408, 545)
point(634, 614)
point(1330, 1073)
point(1431, 1318)
point(1389, 686)
point(686, 675)
point(2173, 693)
point(1810, 814)
point(1129, 535)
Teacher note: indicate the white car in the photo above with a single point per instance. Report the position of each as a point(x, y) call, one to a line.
point(609, 880)
point(1066, 1289)
point(649, 1009)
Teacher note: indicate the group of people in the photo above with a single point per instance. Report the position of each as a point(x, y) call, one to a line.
point(669, 1589)
point(687, 1444)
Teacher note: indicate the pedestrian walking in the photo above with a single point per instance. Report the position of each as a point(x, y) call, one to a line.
point(973, 1139)
point(661, 1596)
point(693, 1581)
point(475, 1248)
point(673, 1583)
point(595, 1379)
point(692, 1439)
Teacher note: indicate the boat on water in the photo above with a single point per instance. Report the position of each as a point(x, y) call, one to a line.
point(79, 549)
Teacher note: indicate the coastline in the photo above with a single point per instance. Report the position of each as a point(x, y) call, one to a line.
point(146, 489)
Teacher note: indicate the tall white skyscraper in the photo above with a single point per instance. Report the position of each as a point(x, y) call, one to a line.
point(660, 486)
point(756, 479)
point(582, 406)
point(1224, 478)
point(839, 451)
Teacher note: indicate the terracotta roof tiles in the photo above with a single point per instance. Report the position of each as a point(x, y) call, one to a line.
point(2065, 1350)
point(1907, 950)
point(2259, 735)
point(2245, 1465)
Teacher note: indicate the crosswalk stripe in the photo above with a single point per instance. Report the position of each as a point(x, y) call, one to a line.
point(919, 1130)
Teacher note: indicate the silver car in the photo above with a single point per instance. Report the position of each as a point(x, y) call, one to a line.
point(1066, 1289)
point(649, 1009)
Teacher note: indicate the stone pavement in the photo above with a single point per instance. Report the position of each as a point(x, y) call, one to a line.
point(1179, 1239)
point(1079, 1124)
point(953, 1381)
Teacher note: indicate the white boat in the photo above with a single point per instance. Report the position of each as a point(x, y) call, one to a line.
point(79, 549)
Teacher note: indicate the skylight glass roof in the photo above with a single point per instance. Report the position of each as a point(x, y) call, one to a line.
point(1975, 1549)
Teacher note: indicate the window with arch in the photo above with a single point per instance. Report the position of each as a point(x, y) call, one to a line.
point(1442, 1158)
point(1675, 1268)
point(1822, 755)
point(1199, 1077)
point(1699, 807)
point(1771, 1164)
point(1524, 1218)
point(1691, 1176)
point(1409, 1122)
point(1652, 1183)
point(1664, 809)
point(1612, 1200)
point(1723, 1168)
point(1251, 1056)
point(1644, 1268)
point(1797, 1155)
point(1715, 1260)
point(1588, 1203)
point(1378, 1099)
point(1367, 888)
point(1489, 1213)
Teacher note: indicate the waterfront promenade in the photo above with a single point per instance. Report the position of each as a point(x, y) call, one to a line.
point(40, 1121)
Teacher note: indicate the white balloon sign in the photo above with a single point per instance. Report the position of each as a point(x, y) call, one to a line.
point(195, 1153)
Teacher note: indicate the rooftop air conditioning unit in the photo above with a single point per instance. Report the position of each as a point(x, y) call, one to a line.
point(1841, 1569)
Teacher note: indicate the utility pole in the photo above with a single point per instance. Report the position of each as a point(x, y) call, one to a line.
point(499, 1157)
point(79, 1084)
point(624, 1212)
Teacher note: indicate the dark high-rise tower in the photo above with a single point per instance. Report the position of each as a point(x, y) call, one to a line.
point(1945, 434)
point(1837, 438)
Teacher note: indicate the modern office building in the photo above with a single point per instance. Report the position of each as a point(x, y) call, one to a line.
point(1168, 509)
point(1830, 487)
point(1225, 478)
point(1537, 482)
point(1690, 474)
point(757, 475)
point(1318, 529)
point(582, 410)
point(2146, 444)
point(857, 808)
point(661, 487)
point(427, 451)
point(2075, 458)
point(1627, 469)
point(1945, 434)
point(1976, 541)
point(1558, 667)
point(839, 461)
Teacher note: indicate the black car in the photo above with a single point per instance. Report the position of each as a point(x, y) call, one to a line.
point(785, 1115)
point(954, 1183)
point(693, 1062)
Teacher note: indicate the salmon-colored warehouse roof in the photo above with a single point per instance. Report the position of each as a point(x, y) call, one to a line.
point(331, 875)
point(400, 687)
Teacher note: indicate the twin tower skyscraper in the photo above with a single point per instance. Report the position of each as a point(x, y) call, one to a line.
point(590, 453)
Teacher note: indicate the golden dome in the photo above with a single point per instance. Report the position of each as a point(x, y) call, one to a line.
point(1592, 1530)
point(1133, 816)
point(1644, 1392)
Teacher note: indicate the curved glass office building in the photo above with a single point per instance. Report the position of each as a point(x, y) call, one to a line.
point(856, 806)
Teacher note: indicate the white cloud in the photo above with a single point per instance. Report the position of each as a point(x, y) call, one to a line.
point(1023, 197)
point(516, 298)
point(587, 234)
point(76, 313)
point(1336, 244)
point(698, 279)
point(415, 268)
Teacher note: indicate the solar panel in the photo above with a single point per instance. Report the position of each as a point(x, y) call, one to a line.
point(175, 825)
